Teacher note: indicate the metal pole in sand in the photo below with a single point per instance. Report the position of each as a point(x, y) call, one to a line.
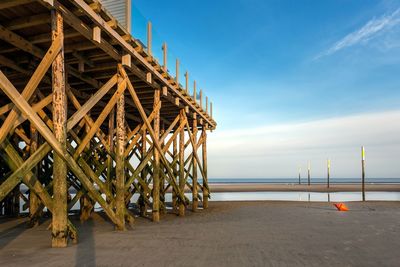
point(329, 171)
point(363, 172)
point(308, 173)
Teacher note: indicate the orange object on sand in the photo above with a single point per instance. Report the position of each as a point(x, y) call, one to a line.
point(341, 207)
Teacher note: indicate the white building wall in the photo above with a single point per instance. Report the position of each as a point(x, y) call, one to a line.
point(120, 9)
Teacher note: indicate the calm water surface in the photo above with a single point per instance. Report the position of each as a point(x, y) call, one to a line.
point(282, 196)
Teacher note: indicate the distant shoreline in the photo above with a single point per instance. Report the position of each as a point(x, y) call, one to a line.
point(263, 187)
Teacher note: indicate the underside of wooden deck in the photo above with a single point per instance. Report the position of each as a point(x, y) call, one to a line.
point(86, 108)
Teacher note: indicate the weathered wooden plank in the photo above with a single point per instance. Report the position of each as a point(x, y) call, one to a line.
point(21, 104)
point(205, 178)
point(151, 132)
point(156, 161)
point(34, 202)
point(13, 3)
point(32, 85)
point(182, 181)
point(59, 230)
point(30, 21)
point(195, 200)
point(103, 115)
point(120, 161)
point(94, 100)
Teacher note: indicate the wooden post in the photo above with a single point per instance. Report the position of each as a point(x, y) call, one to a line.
point(86, 205)
point(211, 111)
point(177, 72)
point(60, 190)
point(187, 82)
point(207, 104)
point(309, 173)
point(149, 38)
point(156, 166)
point(142, 203)
point(163, 209)
point(181, 161)
point(363, 172)
point(194, 91)
point(111, 126)
point(34, 202)
point(194, 174)
point(329, 172)
point(120, 161)
point(175, 171)
point(205, 179)
point(165, 58)
point(201, 98)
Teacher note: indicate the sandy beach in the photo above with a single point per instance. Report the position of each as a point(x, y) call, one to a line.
point(227, 234)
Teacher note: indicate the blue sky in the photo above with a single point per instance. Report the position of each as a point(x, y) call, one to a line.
point(280, 64)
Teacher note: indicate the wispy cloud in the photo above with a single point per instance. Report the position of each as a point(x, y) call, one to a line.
point(370, 30)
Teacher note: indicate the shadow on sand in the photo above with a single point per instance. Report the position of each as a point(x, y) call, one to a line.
point(85, 252)
point(11, 233)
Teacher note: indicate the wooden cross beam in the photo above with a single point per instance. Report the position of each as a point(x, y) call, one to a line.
point(21, 104)
point(151, 132)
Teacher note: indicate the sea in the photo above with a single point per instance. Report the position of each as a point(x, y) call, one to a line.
point(303, 180)
point(279, 196)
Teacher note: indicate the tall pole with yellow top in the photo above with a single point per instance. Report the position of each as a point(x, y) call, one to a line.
point(329, 171)
point(299, 175)
point(363, 172)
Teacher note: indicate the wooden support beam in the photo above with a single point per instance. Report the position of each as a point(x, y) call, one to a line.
point(111, 125)
point(181, 162)
point(165, 91)
point(156, 161)
point(59, 231)
point(187, 82)
point(165, 56)
point(97, 34)
point(149, 38)
point(151, 132)
point(92, 101)
point(177, 72)
point(32, 84)
point(120, 160)
point(25, 22)
point(163, 208)
point(142, 203)
point(194, 91)
point(149, 78)
point(103, 115)
point(126, 60)
point(205, 178)
point(34, 202)
point(175, 170)
point(201, 99)
point(22, 105)
point(195, 200)
point(13, 3)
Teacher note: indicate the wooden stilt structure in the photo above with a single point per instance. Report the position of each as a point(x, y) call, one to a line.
point(87, 115)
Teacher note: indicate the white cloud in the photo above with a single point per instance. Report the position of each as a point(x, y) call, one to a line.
point(278, 150)
point(370, 30)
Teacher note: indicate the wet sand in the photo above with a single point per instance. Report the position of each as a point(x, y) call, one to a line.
point(227, 234)
point(252, 187)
